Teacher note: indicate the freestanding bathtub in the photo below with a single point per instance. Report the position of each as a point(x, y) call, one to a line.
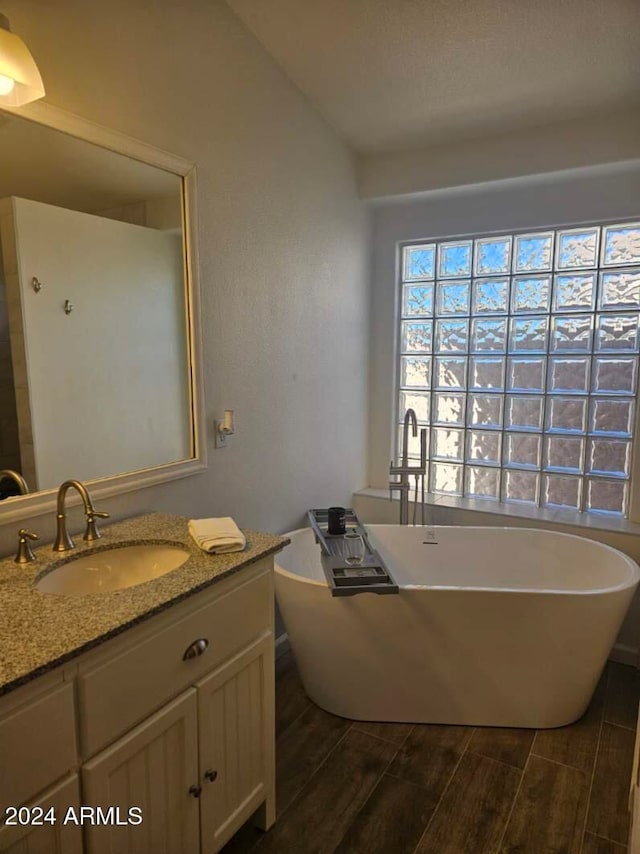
point(491, 627)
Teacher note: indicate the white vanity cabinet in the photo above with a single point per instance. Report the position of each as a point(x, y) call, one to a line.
point(174, 717)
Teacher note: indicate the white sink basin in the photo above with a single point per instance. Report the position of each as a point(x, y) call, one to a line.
point(112, 569)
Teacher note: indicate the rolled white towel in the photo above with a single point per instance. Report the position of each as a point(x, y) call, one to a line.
point(217, 536)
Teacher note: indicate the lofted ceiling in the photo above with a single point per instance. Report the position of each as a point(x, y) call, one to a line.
point(400, 75)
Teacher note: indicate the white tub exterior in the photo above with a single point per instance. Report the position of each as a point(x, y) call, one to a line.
point(491, 627)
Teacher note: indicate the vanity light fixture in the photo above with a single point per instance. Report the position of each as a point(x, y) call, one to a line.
point(224, 428)
point(20, 80)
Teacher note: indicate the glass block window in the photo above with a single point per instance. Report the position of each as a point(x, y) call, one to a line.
point(519, 353)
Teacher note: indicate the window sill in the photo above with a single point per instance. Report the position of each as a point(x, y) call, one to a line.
point(497, 511)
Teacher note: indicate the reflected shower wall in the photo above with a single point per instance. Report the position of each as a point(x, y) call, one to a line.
point(9, 445)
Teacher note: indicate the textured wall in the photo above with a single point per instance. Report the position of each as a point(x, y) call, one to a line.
point(282, 236)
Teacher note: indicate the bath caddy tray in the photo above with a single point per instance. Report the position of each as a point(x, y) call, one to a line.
point(370, 576)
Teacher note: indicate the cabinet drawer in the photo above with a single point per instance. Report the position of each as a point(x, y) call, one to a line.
point(126, 689)
point(37, 746)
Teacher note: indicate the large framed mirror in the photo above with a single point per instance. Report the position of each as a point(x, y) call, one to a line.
point(99, 317)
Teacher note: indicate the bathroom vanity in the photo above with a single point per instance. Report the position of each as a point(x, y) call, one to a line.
point(154, 703)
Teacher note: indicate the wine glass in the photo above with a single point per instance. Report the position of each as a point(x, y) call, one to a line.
point(353, 548)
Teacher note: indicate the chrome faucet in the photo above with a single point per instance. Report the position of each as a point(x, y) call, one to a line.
point(15, 476)
point(404, 470)
point(63, 541)
point(409, 419)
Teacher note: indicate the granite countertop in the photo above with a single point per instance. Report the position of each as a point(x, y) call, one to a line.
point(39, 631)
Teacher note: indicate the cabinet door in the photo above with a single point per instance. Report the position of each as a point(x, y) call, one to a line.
point(153, 768)
point(58, 838)
point(236, 724)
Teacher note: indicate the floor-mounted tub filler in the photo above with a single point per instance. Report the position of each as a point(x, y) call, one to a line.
point(491, 626)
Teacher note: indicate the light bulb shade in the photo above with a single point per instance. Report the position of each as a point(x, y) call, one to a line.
point(17, 64)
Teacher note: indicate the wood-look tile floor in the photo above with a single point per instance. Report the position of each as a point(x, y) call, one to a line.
point(384, 788)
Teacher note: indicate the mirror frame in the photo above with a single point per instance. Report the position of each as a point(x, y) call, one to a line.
point(42, 502)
